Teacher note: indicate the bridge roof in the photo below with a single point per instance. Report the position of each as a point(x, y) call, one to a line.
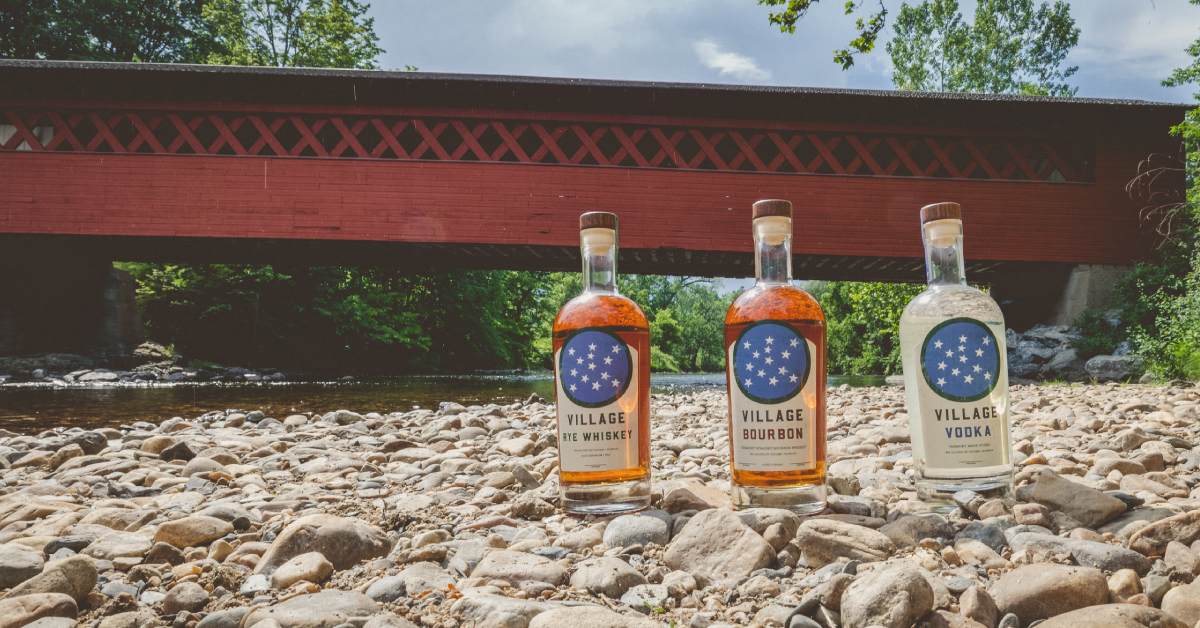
point(102, 81)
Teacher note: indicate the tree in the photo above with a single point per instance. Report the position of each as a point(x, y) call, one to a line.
point(1011, 47)
point(867, 24)
point(166, 31)
point(308, 33)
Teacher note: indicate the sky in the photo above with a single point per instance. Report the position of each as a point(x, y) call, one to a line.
point(1125, 49)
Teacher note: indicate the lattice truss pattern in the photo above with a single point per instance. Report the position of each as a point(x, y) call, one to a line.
point(429, 138)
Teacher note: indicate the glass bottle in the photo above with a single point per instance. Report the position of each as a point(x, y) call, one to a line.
point(955, 372)
point(775, 377)
point(601, 349)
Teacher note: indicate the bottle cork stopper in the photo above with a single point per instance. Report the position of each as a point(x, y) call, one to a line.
point(597, 220)
point(772, 207)
point(941, 211)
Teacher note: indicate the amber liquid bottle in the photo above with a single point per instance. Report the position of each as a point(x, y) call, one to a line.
point(775, 376)
point(601, 349)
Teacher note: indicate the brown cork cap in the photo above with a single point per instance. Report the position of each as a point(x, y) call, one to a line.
point(772, 207)
point(597, 220)
point(941, 211)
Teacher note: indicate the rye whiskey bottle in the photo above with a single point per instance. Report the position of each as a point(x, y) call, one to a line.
point(775, 376)
point(955, 372)
point(602, 385)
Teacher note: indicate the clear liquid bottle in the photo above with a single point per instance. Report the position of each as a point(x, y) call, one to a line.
point(775, 377)
point(952, 346)
point(601, 347)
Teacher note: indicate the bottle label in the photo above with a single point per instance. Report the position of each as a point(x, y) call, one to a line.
point(963, 394)
point(773, 398)
point(597, 383)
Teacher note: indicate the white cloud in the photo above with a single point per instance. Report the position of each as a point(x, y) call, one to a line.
point(598, 27)
point(728, 63)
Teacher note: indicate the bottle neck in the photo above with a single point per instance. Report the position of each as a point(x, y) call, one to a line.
point(598, 247)
point(944, 263)
point(773, 250)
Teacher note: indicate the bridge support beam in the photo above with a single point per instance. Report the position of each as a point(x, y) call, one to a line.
point(1054, 297)
point(59, 298)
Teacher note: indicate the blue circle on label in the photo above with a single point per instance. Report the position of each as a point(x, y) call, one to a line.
point(594, 368)
point(960, 360)
point(771, 362)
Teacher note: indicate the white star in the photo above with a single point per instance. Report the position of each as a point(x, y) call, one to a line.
point(591, 366)
point(793, 379)
point(616, 382)
point(977, 368)
point(941, 381)
point(756, 355)
point(937, 344)
point(592, 347)
point(584, 378)
point(746, 344)
point(949, 354)
point(795, 342)
point(785, 355)
point(749, 366)
point(571, 351)
point(773, 381)
point(769, 361)
point(572, 389)
point(596, 386)
point(962, 347)
point(579, 360)
point(574, 372)
point(987, 376)
point(979, 353)
point(591, 356)
point(761, 373)
point(962, 358)
point(770, 340)
point(783, 370)
point(608, 359)
point(749, 382)
point(767, 349)
point(604, 375)
point(616, 349)
point(962, 338)
point(987, 341)
point(955, 372)
point(941, 366)
point(968, 379)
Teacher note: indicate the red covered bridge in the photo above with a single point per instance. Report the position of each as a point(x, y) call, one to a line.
point(104, 161)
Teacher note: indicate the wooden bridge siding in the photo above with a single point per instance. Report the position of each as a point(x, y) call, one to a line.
point(440, 202)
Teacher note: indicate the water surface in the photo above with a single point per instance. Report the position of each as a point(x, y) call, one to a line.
point(34, 408)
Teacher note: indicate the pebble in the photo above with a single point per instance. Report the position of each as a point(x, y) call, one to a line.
point(1042, 591)
point(185, 596)
point(312, 567)
point(588, 616)
point(607, 576)
point(639, 529)
point(1183, 603)
point(823, 541)
point(893, 597)
point(717, 545)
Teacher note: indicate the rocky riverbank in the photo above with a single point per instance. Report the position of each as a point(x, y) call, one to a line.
point(446, 517)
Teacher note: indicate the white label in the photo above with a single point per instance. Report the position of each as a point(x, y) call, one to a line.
point(962, 395)
point(596, 377)
point(773, 398)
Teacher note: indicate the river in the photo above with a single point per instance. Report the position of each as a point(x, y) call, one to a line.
point(35, 408)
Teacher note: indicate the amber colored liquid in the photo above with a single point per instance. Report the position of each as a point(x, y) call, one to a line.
point(788, 304)
point(622, 317)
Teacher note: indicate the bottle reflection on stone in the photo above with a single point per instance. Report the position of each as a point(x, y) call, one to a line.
point(775, 377)
point(601, 349)
point(953, 351)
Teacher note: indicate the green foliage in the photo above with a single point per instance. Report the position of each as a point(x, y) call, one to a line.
point(1012, 47)
point(362, 319)
point(867, 24)
point(1099, 334)
point(864, 324)
point(308, 33)
point(104, 30)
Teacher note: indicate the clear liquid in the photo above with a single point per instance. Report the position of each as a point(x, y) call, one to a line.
point(941, 470)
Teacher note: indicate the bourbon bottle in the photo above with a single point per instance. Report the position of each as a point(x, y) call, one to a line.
point(775, 376)
point(952, 347)
point(601, 349)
